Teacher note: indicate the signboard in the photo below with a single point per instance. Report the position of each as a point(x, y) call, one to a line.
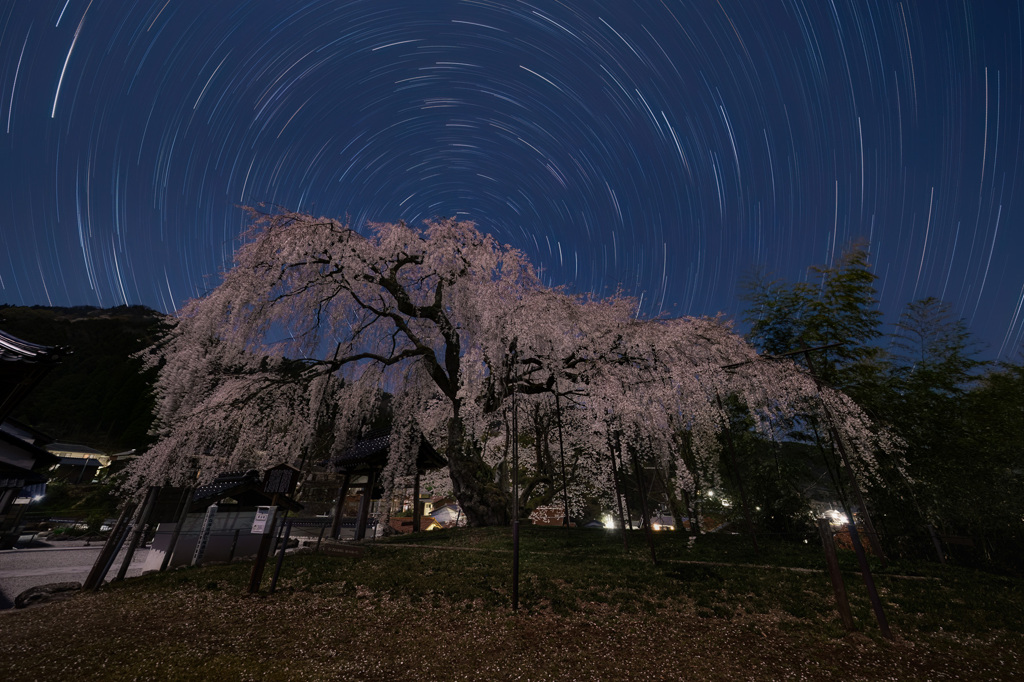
point(281, 479)
point(263, 521)
point(338, 549)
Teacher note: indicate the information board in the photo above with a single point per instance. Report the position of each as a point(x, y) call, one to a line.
point(264, 520)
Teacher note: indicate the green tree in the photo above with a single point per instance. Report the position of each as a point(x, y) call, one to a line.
point(930, 372)
point(836, 305)
point(982, 483)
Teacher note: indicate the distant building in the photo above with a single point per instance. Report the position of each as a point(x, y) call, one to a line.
point(449, 515)
point(78, 463)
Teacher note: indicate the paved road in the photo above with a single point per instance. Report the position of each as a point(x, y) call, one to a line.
point(21, 569)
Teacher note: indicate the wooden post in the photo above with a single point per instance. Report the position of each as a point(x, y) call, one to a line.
point(280, 556)
point(140, 527)
point(182, 516)
point(342, 494)
point(256, 577)
point(869, 582)
point(832, 562)
point(98, 571)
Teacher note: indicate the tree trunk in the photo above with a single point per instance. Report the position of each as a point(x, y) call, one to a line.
point(481, 497)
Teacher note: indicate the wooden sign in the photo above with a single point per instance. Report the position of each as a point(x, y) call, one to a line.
point(281, 479)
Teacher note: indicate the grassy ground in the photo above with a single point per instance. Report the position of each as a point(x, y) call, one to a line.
point(437, 605)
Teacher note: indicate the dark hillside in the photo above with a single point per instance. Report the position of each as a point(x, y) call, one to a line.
point(97, 395)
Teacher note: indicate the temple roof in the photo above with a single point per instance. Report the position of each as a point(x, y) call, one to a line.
point(372, 453)
point(14, 349)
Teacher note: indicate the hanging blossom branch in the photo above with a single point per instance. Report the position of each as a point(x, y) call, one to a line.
point(432, 316)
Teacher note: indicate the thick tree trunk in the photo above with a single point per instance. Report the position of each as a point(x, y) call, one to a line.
point(482, 499)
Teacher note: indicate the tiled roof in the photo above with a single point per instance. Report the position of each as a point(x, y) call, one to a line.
point(226, 481)
point(372, 452)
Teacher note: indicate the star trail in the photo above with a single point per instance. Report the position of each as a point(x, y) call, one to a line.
point(662, 147)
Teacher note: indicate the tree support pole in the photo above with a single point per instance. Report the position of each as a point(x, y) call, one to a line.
point(182, 516)
point(140, 527)
point(832, 562)
point(869, 582)
point(873, 538)
point(110, 547)
point(280, 556)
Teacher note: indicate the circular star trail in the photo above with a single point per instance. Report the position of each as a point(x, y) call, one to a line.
point(665, 148)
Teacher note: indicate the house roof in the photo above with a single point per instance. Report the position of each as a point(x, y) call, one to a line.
point(372, 453)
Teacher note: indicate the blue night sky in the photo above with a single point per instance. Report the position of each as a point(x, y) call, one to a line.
point(668, 147)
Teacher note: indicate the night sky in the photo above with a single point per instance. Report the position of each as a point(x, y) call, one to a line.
point(664, 146)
